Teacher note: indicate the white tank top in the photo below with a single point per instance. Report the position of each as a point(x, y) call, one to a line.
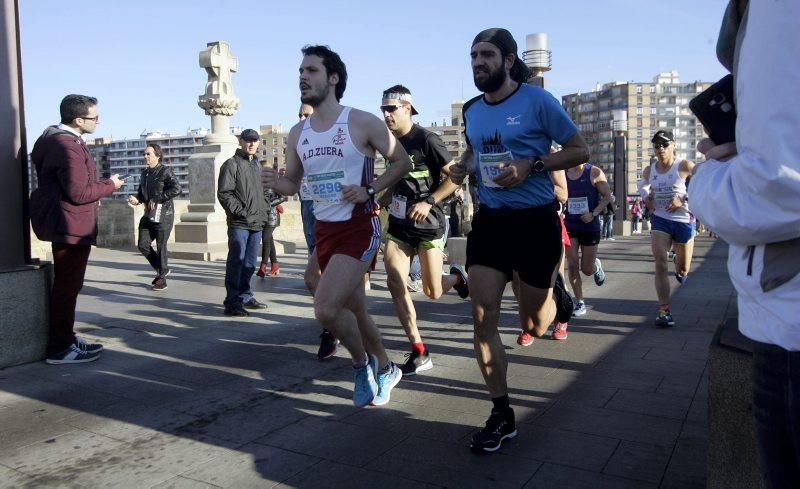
point(665, 186)
point(330, 161)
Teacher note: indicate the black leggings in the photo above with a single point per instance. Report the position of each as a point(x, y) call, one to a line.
point(268, 246)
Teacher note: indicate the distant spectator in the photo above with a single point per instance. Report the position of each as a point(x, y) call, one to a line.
point(748, 192)
point(64, 211)
point(157, 187)
point(636, 214)
point(274, 211)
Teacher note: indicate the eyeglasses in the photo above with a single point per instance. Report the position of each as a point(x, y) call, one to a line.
point(95, 118)
point(661, 145)
point(389, 108)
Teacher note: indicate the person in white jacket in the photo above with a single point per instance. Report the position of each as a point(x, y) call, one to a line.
point(748, 192)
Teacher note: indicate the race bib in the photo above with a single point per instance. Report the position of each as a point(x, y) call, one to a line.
point(398, 207)
point(578, 205)
point(305, 192)
point(488, 164)
point(326, 187)
point(662, 198)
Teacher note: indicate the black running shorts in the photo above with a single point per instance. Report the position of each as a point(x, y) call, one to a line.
point(527, 241)
point(584, 238)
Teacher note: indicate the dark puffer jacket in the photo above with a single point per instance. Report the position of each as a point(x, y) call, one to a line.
point(241, 194)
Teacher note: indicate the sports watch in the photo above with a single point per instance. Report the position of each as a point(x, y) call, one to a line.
point(370, 191)
point(430, 200)
point(537, 165)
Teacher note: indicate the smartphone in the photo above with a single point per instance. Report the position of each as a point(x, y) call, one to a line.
point(715, 109)
point(125, 177)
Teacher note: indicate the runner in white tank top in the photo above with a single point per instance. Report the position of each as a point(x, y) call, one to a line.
point(331, 161)
point(331, 147)
point(663, 189)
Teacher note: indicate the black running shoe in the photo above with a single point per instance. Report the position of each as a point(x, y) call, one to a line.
point(327, 345)
point(565, 306)
point(417, 362)
point(463, 286)
point(499, 427)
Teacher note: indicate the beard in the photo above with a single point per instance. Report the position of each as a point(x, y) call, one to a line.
point(315, 97)
point(493, 82)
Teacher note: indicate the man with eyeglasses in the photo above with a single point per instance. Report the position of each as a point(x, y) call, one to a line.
point(663, 188)
point(417, 220)
point(64, 211)
point(509, 130)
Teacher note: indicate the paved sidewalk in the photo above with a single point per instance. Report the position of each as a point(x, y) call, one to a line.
point(185, 397)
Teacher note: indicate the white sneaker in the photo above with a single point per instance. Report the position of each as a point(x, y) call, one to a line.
point(580, 309)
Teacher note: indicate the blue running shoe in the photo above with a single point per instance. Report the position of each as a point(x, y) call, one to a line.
point(681, 278)
point(664, 319)
point(386, 382)
point(599, 274)
point(365, 388)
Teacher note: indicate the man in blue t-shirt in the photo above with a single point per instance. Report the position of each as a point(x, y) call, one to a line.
point(509, 130)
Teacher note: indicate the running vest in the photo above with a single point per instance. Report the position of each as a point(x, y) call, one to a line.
point(665, 186)
point(330, 161)
point(583, 198)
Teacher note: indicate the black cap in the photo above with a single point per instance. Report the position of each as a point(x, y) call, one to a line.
point(250, 135)
point(663, 137)
point(506, 44)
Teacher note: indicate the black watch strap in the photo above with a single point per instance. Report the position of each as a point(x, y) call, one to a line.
point(370, 190)
point(430, 200)
point(537, 165)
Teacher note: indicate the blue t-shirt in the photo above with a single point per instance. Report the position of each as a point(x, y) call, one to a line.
point(522, 125)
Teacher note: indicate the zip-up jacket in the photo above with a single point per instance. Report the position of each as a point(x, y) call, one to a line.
point(159, 185)
point(240, 192)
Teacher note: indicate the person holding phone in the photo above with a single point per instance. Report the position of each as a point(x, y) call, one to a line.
point(64, 211)
point(157, 187)
point(747, 192)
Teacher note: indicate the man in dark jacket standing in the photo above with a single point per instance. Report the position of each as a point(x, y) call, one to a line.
point(64, 211)
point(241, 195)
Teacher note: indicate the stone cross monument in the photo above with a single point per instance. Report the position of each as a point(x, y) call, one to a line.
point(202, 233)
point(219, 101)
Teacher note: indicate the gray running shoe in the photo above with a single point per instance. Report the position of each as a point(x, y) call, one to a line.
point(599, 274)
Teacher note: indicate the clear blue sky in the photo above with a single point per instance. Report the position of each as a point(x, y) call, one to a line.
point(141, 58)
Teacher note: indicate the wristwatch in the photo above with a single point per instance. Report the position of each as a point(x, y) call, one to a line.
point(537, 165)
point(370, 191)
point(430, 200)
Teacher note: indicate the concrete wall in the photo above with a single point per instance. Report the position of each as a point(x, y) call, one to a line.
point(24, 313)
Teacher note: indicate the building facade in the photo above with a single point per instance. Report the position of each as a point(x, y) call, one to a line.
point(637, 111)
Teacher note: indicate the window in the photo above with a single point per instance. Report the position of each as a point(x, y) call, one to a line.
point(652, 89)
point(639, 111)
point(653, 111)
point(638, 89)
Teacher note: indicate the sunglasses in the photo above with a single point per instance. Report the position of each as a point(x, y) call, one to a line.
point(661, 145)
point(389, 108)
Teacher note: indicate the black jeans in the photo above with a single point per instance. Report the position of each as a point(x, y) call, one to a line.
point(776, 408)
point(158, 232)
point(268, 245)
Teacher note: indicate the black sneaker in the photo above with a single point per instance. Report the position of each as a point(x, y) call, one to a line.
point(500, 426)
point(328, 345)
point(565, 306)
point(417, 362)
point(161, 284)
point(254, 304)
point(237, 311)
point(73, 354)
point(462, 287)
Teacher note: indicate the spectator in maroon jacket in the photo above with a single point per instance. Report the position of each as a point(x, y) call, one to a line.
point(64, 211)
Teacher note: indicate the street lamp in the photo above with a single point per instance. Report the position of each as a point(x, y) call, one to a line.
point(537, 57)
point(619, 128)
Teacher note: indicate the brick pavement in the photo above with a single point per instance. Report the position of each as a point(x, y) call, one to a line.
point(185, 397)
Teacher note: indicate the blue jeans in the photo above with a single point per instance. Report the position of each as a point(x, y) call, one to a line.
point(307, 214)
point(416, 269)
point(776, 409)
point(608, 226)
point(243, 246)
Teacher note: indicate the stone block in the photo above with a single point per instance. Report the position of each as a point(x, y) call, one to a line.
point(24, 313)
point(732, 459)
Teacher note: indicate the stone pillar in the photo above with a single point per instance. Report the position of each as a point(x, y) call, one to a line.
point(24, 286)
point(201, 233)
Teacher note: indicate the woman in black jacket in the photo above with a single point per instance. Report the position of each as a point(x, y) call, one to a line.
point(274, 210)
point(157, 187)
